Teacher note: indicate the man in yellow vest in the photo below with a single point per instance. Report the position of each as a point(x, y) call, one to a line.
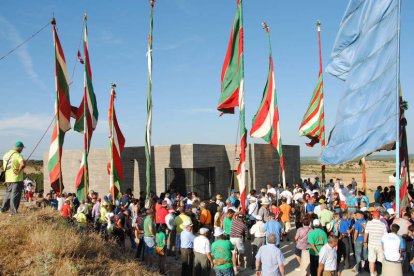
point(13, 164)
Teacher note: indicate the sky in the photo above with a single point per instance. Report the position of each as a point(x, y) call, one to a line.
point(190, 40)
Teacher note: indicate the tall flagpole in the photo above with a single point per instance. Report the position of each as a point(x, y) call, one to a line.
point(397, 138)
point(318, 26)
point(149, 108)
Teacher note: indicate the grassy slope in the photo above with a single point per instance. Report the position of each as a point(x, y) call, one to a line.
point(41, 243)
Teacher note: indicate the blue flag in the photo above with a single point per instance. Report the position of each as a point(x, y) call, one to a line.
point(365, 57)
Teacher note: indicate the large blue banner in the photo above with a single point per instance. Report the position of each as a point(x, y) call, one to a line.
point(365, 57)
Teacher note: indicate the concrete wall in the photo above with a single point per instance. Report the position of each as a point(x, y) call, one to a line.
point(262, 165)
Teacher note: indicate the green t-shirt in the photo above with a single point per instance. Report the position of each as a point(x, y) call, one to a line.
point(147, 223)
point(222, 256)
point(160, 239)
point(227, 225)
point(13, 164)
point(319, 238)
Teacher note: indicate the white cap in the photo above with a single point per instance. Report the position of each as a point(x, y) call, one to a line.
point(252, 198)
point(316, 222)
point(265, 201)
point(259, 218)
point(390, 211)
point(218, 232)
point(187, 223)
point(203, 231)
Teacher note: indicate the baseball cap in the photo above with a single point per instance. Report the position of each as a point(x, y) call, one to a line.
point(19, 144)
point(259, 218)
point(390, 211)
point(218, 232)
point(164, 203)
point(316, 222)
point(203, 230)
point(187, 223)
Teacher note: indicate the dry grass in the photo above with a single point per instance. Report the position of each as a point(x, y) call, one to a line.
point(41, 243)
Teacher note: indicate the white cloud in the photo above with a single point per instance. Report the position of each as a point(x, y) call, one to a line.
point(24, 124)
point(10, 33)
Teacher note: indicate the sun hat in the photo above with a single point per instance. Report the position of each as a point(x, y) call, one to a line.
point(265, 201)
point(253, 199)
point(203, 231)
point(218, 232)
point(259, 218)
point(329, 226)
point(187, 223)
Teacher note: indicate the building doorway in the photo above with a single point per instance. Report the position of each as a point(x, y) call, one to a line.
point(199, 180)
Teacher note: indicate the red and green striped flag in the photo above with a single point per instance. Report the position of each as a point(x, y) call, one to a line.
point(62, 115)
point(232, 92)
point(266, 123)
point(116, 146)
point(86, 120)
point(148, 126)
point(313, 122)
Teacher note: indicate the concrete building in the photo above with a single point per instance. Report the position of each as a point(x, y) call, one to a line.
point(206, 169)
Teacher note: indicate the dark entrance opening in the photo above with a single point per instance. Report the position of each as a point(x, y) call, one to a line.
point(199, 180)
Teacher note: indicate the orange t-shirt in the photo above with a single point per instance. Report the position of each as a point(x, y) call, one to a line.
point(205, 217)
point(285, 209)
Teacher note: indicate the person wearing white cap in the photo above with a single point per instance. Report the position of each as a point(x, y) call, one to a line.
point(316, 239)
point(258, 230)
point(202, 254)
point(187, 243)
point(81, 217)
point(224, 256)
point(252, 209)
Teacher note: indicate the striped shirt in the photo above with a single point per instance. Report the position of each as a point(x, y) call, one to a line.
point(238, 228)
point(375, 230)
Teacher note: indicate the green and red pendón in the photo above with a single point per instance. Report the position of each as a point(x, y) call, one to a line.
point(232, 92)
point(116, 146)
point(62, 115)
point(313, 122)
point(266, 123)
point(86, 120)
point(149, 108)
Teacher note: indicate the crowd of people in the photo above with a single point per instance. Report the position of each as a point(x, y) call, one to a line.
point(336, 228)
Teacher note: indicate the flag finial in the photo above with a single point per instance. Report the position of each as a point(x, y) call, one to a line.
point(152, 2)
point(113, 85)
point(265, 26)
point(85, 16)
point(318, 25)
point(53, 21)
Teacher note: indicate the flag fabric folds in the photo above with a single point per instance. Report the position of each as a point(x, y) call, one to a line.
point(404, 158)
point(313, 122)
point(266, 123)
point(365, 57)
point(149, 109)
point(232, 72)
point(62, 115)
point(232, 92)
point(116, 146)
point(86, 120)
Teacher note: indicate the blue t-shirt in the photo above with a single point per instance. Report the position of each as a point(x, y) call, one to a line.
point(351, 201)
point(388, 205)
point(365, 199)
point(274, 227)
point(310, 208)
point(344, 226)
point(377, 196)
point(360, 227)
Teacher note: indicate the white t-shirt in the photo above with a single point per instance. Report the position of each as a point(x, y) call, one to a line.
point(253, 209)
point(201, 245)
point(271, 191)
point(169, 221)
point(327, 256)
point(61, 201)
point(258, 229)
point(297, 196)
point(392, 245)
point(288, 195)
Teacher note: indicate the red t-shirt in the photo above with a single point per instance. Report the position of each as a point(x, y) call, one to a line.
point(66, 211)
point(161, 214)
